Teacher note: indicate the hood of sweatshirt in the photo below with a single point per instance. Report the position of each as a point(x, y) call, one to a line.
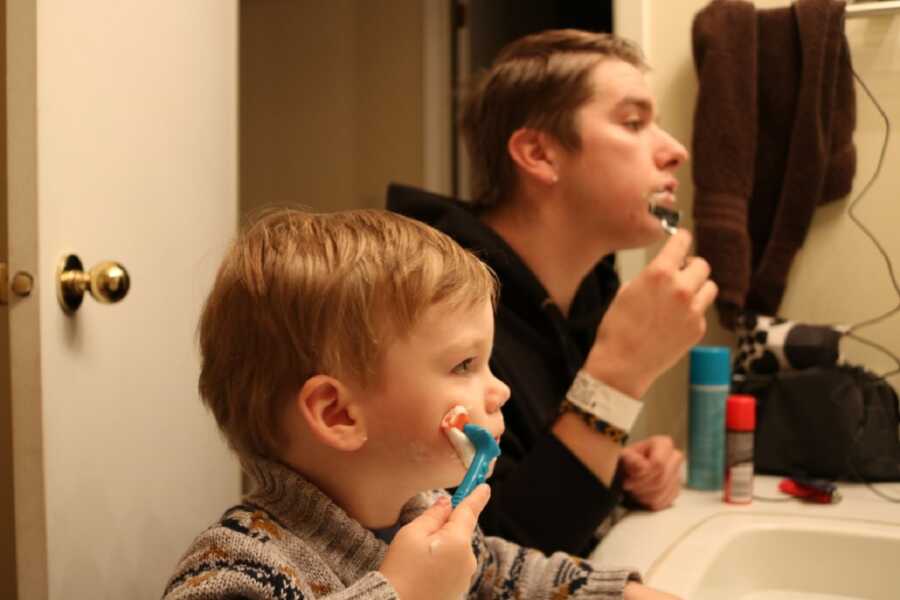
point(521, 294)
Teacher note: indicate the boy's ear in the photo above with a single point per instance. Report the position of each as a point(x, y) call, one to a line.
point(535, 154)
point(332, 413)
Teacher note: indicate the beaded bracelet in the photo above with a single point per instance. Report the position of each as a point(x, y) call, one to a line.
point(605, 409)
point(617, 435)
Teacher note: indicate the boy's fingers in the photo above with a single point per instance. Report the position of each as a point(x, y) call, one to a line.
point(433, 518)
point(464, 517)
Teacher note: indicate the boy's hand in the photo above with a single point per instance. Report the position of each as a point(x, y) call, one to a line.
point(431, 557)
point(653, 320)
point(637, 591)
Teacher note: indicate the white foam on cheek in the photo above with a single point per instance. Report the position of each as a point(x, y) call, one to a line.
point(465, 450)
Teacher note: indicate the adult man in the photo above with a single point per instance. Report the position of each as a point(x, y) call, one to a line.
point(565, 152)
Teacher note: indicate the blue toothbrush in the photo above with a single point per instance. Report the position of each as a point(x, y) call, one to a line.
point(486, 450)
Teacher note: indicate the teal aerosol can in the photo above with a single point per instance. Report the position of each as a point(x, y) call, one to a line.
point(710, 382)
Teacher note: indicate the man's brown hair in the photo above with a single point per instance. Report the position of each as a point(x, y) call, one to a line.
point(538, 81)
point(300, 294)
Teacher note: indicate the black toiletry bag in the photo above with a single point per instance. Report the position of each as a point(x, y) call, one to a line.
point(838, 422)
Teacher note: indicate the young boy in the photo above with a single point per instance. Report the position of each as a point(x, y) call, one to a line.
point(332, 347)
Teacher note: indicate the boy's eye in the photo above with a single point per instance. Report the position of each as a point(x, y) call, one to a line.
point(635, 124)
point(464, 367)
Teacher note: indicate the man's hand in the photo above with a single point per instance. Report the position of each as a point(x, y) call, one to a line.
point(431, 556)
point(653, 320)
point(652, 471)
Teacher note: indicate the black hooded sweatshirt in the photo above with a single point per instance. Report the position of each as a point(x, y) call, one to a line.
point(542, 496)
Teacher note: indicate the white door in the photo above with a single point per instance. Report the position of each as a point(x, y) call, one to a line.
point(122, 145)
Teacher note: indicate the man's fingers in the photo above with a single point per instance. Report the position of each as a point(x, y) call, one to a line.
point(673, 467)
point(464, 517)
point(667, 483)
point(660, 449)
point(706, 295)
point(664, 498)
point(634, 462)
point(675, 252)
point(651, 464)
point(638, 470)
point(696, 272)
point(647, 481)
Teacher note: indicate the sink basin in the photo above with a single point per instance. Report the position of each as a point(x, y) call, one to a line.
point(759, 556)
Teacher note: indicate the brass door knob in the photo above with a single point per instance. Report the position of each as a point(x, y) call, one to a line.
point(107, 282)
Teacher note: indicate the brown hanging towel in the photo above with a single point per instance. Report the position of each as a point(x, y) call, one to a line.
point(773, 139)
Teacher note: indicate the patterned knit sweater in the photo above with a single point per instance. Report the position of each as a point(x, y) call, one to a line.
point(288, 540)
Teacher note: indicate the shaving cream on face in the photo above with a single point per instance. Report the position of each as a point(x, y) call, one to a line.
point(452, 425)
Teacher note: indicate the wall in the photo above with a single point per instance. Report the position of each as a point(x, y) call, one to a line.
point(331, 101)
point(839, 276)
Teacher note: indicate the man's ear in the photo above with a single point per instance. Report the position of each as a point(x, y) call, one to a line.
point(535, 154)
point(332, 413)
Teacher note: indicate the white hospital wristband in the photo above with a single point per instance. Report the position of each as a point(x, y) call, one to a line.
point(603, 402)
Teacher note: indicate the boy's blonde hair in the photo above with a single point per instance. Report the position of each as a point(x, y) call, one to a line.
point(538, 81)
point(300, 294)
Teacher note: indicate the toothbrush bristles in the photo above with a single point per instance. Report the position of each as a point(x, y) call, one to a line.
point(668, 218)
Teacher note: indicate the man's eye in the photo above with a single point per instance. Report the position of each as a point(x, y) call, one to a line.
point(634, 124)
point(464, 367)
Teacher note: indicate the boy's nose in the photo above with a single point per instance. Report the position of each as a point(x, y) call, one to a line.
point(497, 396)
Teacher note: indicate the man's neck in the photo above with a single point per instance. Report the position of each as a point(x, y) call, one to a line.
point(551, 249)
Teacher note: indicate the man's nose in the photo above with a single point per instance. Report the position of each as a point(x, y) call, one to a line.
point(671, 154)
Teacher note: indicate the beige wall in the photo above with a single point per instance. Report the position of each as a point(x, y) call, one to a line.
point(331, 101)
point(839, 276)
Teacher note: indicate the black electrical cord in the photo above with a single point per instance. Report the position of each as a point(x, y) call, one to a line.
point(851, 332)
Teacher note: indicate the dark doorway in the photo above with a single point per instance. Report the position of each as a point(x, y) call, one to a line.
point(494, 23)
point(485, 26)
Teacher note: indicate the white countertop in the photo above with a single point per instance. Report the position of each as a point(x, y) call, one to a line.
point(642, 537)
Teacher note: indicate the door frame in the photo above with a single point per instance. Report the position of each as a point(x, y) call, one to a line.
point(24, 360)
point(437, 95)
point(7, 514)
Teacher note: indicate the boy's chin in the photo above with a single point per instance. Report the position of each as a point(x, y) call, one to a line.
point(453, 480)
point(458, 478)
